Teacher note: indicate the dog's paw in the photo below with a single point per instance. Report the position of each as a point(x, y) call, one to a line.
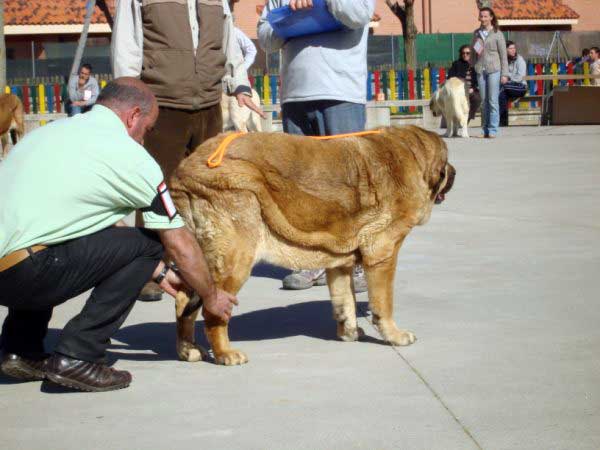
point(190, 352)
point(231, 358)
point(400, 337)
point(349, 334)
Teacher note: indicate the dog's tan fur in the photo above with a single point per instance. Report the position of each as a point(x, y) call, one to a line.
point(237, 118)
point(302, 203)
point(452, 103)
point(11, 118)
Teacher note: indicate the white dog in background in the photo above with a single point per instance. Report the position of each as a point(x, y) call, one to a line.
point(238, 118)
point(452, 103)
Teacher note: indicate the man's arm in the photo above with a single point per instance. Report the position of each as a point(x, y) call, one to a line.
point(520, 70)
point(183, 248)
point(127, 39)
point(236, 77)
point(267, 39)
point(352, 13)
point(73, 89)
point(247, 46)
point(95, 92)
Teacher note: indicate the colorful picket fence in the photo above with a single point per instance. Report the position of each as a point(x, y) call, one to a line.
point(43, 98)
point(384, 84)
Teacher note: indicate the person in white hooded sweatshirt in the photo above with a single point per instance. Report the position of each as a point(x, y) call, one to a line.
point(323, 86)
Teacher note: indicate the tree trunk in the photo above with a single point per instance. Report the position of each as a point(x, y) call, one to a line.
point(406, 15)
point(2, 50)
point(89, 9)
point(104, 8)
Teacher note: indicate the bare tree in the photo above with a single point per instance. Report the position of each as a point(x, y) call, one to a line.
point(2, 50)
point(406, 15)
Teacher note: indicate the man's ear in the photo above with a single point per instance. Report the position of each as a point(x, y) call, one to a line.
point(132, 116)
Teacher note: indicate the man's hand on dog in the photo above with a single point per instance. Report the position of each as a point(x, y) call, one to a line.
point(173, 283)
point(300, 4)
point(220, 304)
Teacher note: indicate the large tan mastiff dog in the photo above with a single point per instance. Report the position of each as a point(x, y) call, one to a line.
point(11, 121)
point(298, 202)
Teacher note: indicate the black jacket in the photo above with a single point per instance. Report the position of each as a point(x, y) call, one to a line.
point(462, 69)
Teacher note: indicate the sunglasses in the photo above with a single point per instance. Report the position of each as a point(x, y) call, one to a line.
point(466, 53)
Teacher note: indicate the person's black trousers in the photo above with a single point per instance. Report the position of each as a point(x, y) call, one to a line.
point(509, 91)
point(115, 262)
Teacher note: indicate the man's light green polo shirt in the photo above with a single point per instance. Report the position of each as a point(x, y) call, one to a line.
point(74, 177)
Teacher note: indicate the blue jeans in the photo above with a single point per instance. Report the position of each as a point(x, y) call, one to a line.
point(323, 117)
point(73, 110)
point(489, 88)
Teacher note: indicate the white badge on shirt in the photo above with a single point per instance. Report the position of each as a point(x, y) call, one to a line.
point(478, 46)
point(87, 94)
point(166, 199)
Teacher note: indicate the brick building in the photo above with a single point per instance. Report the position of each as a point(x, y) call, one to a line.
point(41, 35)
point(460, 16)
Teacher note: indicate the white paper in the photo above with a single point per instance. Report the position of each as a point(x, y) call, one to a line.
point(87, 94)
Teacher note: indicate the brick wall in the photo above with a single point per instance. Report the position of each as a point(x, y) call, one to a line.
point(448, 16)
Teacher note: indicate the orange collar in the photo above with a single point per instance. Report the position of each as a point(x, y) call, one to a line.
point(216, 158)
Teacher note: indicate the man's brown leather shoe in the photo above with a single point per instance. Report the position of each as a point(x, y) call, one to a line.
point(85, 376)
point(31, 368)
point(150, 293)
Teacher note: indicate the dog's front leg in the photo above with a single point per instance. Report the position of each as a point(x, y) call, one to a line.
point(380, 268)
point(218, 337)
point(187, 349)
point(339, 280)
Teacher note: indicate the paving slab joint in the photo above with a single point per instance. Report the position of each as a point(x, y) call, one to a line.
point(368, 317)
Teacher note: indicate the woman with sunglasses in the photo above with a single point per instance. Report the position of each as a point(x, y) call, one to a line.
point(462, 68)
point(491, 65)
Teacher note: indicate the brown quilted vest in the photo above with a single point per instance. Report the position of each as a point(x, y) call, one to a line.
point(179, 78)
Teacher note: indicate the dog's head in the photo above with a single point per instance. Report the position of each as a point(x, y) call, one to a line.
point(433, 175)
point(434, 104)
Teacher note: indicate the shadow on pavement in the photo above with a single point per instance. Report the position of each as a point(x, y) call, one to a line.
point(264, 270)
point(312, 319)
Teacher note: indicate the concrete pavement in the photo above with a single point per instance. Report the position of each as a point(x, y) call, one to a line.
point(501, 289)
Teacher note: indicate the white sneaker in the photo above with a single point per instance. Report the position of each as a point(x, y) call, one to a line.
point(305, 279)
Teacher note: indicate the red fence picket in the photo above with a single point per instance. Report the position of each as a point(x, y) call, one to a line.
point(411, 88)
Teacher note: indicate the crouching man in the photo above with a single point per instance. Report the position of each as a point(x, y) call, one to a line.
point(64, 189)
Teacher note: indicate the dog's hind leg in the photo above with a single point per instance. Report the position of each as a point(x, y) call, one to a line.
point(449, 125)
point(380, 268)
point(339, 280)
point(465, 127)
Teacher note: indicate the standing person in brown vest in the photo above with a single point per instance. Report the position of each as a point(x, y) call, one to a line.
point(186, 52)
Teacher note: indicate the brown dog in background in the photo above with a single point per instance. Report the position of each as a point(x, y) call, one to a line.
point(298, 202)
point(12, 123)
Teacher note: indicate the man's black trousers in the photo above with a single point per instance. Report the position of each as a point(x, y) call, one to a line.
point(115, 262)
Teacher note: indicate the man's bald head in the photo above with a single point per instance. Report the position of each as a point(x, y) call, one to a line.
point(133, 102)
point(125, 93)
